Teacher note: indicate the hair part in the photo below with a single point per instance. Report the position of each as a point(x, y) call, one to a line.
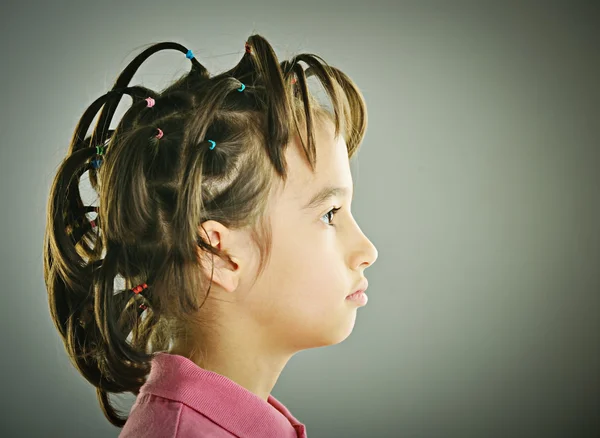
point(154, 194)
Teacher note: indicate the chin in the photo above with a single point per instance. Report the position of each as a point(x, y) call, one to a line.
point(339, 333)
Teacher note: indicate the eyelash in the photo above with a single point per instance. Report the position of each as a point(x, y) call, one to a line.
point(333, 211)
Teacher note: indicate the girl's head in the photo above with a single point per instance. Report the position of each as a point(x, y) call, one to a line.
point(207, 195)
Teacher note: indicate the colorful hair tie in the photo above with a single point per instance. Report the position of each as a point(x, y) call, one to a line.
point(160, 133)
point(248, 48)
point(243, 88)
point(213, 144)
point(150, 101)
point(99, 150)
point(139, 288)
point(189, 54)
point(96, 163)
point(136, 290)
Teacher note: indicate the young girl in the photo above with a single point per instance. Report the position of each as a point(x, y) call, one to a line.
point(223, 242)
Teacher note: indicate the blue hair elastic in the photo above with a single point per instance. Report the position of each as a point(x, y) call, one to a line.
point(213, 144)
point(242, 89)
point(189, 54)
point(96, 163)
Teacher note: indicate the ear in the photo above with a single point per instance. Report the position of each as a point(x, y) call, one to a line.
point(226, 274)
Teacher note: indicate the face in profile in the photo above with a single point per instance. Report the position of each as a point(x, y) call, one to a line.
point(317, 257)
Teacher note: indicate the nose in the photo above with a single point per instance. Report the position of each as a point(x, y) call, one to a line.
point(366, 253)
point(370, 253)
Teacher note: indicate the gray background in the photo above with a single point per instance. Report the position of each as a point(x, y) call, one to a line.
point(477, 181)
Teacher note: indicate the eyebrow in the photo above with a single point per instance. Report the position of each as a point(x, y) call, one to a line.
point(324, 194)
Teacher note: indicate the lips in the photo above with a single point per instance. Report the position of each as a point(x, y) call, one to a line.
point(361, 287)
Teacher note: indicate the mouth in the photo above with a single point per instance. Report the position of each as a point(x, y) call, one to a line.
point(361, 287)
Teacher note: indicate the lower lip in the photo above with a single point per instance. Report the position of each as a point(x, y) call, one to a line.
point(358, 297)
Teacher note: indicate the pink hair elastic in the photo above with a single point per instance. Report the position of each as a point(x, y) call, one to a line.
point(136, 290)
point(139, 288)
point(150, 101)
point(160, 133)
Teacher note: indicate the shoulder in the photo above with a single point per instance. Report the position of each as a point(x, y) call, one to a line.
point(193, 424)
point(156, 417)
point(152, 417)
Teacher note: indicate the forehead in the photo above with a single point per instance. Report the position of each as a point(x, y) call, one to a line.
point(332, 166)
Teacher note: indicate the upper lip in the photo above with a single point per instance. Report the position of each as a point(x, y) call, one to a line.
point(361, 287)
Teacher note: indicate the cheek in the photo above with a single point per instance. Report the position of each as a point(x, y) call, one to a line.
point(310, 287)
point(301, 298)
point(304, 276)
point(308, 269)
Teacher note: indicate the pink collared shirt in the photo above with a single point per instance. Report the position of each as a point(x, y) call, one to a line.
point(182, 400)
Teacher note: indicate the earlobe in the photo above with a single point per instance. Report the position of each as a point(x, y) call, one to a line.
point(225, 275)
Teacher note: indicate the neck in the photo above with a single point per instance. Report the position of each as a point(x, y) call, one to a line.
point(245, 360)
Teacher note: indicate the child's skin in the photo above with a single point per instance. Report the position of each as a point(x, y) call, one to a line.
point(299, 300)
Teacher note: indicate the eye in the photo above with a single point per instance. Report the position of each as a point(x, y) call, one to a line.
point(332, 212)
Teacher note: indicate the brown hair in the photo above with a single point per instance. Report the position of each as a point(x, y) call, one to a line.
point(155, 193)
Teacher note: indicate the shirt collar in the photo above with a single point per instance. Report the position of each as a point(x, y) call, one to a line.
point(215, 396)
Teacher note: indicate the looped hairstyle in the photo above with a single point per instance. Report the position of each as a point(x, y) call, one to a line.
point(154, 194)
